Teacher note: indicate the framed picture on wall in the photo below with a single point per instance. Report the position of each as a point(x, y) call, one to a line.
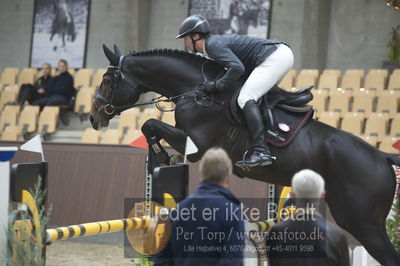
point(246, 17)
point(59, 32)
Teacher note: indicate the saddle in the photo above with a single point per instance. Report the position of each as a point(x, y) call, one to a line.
point(286, 112)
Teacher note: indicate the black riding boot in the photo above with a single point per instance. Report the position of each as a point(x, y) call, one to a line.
point(261, 154)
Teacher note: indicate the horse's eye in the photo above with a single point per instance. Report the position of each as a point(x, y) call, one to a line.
point(106, 82)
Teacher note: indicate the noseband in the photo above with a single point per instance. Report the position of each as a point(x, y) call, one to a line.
point(109, 108)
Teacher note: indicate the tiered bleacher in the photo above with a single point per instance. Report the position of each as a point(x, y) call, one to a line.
point(364, 103)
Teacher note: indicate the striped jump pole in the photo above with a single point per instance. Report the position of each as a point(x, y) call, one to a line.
point(263, 226)
point(96, 228)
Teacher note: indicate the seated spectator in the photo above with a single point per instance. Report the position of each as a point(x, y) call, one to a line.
point(305, 237)
point(191, 242)
point(33, 92)
point(60, 89)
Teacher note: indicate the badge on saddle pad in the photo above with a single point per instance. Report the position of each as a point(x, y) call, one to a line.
point(284, 127)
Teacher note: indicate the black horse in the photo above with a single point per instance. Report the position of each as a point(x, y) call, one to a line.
point(63, 22)
point(360, 180)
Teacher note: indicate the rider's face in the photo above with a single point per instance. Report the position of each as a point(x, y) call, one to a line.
point(188, 44)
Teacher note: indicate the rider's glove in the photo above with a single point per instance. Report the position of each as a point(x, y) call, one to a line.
point(210, 86)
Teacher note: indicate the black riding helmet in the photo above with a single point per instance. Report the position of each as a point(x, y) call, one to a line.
point(194, 24)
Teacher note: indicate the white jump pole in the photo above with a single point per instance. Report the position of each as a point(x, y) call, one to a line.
point(6, 154)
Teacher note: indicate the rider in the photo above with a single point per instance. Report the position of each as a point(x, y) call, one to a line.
point(263, 62)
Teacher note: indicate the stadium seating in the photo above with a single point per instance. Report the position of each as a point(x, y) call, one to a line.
point(110, 136)
point(313, 72)
point(10, 133)
point(374, 81)
point(394, 81)
point(71, 71)
point(83, 101)
point(9, 76)
point(28, 119)
point(7, 97)
point(388, 102)
point(353, 123)
point(98, 77)
point(128, 120)
point(351, 82)
point(48, 120)
point(377, 125)
point(306, 79)
point(328, 81)
point(386, 145)
point(395, 126)
point(147, 114)
point(357, 72)
point(90, 136)
point(379, 72)
point(26, 77)
point(131, 135)
point(336, 72)
point(9, 116)
point(339, 102)
point(330, 118)
point(363, 101)
point(319, 101)
point(288, 81)
point(83, 77)
point(30, 70)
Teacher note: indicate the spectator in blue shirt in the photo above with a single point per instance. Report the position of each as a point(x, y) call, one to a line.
point(213, 232)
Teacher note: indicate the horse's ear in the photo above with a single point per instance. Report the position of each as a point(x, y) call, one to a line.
point(117, 52)
point(114, 60)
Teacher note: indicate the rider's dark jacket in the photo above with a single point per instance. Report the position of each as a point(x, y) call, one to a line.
point(240, 54)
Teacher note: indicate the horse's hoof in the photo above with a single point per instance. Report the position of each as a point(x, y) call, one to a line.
point(176, 159)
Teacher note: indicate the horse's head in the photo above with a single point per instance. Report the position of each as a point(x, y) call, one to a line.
point(116, 93)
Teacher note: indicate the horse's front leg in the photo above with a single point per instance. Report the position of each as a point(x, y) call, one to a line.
point(154, 131)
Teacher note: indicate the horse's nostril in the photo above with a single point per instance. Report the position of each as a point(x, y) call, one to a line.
point(91, 119)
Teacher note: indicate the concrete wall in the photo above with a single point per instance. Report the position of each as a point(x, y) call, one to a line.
point(359, 33)
point(322, 33)
point(15, 30)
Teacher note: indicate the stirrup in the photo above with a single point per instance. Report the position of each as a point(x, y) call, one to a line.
point(241, 163)
point(245, 167)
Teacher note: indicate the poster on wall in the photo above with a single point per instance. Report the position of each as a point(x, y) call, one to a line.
point(59, 32)
point(245, 17)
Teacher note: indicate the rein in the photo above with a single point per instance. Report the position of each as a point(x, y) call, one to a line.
point(109, 109)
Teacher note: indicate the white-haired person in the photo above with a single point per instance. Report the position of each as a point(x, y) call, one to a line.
point(210, 235)
point(305, 237)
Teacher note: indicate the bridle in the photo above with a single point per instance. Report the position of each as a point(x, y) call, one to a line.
point(110, 109)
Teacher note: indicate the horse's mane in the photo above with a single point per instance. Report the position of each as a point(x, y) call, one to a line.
point(168, 52)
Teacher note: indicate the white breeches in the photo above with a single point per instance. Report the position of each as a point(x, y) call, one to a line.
point(266, 75)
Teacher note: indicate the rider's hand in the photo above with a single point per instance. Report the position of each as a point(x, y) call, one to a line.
point(210, 86)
